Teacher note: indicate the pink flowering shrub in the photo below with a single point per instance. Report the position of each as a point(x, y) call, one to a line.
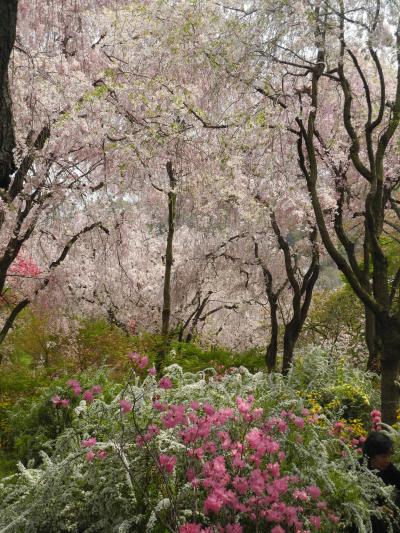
point(236, 464)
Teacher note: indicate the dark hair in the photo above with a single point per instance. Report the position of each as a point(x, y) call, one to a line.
point(377, 443)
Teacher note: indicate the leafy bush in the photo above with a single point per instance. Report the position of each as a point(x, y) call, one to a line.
point(30, 424)
point(194, 452)
point(336, 322)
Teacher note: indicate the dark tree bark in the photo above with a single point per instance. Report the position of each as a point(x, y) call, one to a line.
point(272, 348)
point(301, 292)
point(272, 296)
point(372, 341)
point(169, 258)
point(301, 287)
point(8, 23)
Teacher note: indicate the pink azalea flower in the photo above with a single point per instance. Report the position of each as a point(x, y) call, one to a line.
point(190, 474)
point(256, 482)
point(277, 529)
point(152, 371)
point(299, 422)
point(134, 357)
point(257, 413)
point(333, 518)
point(90, 455)
point(165, 383)
point(75, 386)
point(102, 454)
point(208, 409)
point(125, 406)
point(89, 442)
point(159, 406)
point(274, 469)
point(313, 491)
point(300, 495)
point(315, 521)
point(233, 528)
point(174, 416)
point(65, 403)
point(191, 528)
point(254, 437)
point(97, 389)
point(213, 503)
point(88, 396)
point(338, 427)
point(167, 462)
point(143, 362)
point(243, 406)
point(240, 484)
point(274, 515)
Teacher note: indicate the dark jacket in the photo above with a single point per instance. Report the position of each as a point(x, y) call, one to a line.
point(390, 476)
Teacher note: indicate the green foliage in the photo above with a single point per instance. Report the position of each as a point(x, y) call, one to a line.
point(336, 322)
point(29, 422)
point(100, 343)
point(34, 342)
point(335, 384)
point(193, 358)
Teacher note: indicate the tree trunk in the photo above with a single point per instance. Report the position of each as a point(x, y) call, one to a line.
point(8, 22)
point(372, 341)
point(169, 258)
point(389, 331)
point(272, 350)
point(389, 391)
point(289, 341)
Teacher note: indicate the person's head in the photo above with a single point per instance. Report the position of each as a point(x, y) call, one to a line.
point(378, 447)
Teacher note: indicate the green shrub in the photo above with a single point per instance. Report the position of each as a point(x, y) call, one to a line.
point(81, 488)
